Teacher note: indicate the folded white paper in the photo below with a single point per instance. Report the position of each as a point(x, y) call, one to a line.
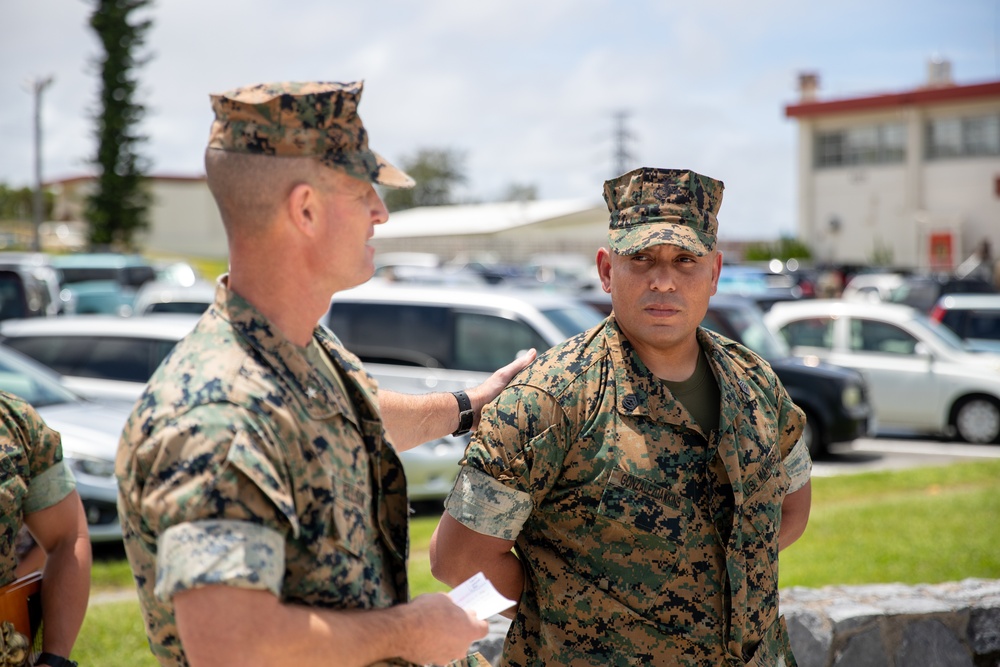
point(478, 595)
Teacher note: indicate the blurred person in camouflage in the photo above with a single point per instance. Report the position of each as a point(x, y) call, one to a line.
point(645, 473)
point(263, 506)
point(37, 491)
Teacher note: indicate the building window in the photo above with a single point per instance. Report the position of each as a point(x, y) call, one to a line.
point(963, 137)
point(871, 144)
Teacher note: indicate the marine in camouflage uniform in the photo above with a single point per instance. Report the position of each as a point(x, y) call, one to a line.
point(254, 462)
point(645, 539)
point(33, 475)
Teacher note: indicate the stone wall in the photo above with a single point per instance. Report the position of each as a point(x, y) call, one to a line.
point(891, 625)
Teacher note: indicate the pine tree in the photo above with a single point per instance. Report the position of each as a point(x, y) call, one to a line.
point(119, 206)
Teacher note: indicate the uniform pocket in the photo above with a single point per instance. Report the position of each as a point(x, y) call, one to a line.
point(347, 525)
point(636, 534)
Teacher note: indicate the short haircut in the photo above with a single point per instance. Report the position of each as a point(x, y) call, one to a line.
point(249, 189)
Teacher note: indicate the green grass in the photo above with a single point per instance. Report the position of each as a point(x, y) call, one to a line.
point(112, 636)
point(926, 525)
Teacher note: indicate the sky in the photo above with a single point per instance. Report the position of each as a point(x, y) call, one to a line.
point(527, 91)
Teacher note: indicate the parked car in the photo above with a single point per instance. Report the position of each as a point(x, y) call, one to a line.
point(419, 339)
point(974, 317)
point(920, 375)
point(99, 356)
point(29, 285)
point(834, 399)
point(89, 430)
point(922, 292)
point(103, 282)
point(871, 286)
point(164, 296)
point(758, 284)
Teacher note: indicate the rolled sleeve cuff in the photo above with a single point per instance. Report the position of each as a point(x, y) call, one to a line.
point(230, 553)
point(798, 465)
point(50, 487)
point(486, 506)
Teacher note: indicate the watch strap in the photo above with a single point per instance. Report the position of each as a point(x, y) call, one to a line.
point(465, 413)
point(54, 660)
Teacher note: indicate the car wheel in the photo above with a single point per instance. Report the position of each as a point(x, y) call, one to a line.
point(812, 436)
point(977, 420)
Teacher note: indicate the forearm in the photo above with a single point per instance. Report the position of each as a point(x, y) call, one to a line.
point(224, 625)
point(457, 553)
point(65, 593)
point(412, 419)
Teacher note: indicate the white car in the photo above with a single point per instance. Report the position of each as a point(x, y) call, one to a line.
point(99, 356)
point(872, 287)
point(920, 374)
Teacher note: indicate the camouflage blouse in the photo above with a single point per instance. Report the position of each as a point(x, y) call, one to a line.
point(644, 540)
point(245, 464)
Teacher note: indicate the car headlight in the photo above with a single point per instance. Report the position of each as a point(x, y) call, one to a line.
point(851, 396)
point(90, 465)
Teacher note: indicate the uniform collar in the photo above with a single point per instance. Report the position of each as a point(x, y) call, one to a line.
point(637, 390)
point(296, 366)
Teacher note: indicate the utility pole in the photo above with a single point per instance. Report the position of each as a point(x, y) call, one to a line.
point(622, 157)
point(38, 86)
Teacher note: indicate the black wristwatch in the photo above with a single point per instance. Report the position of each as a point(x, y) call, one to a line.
point(54, 660)
point(465, 413)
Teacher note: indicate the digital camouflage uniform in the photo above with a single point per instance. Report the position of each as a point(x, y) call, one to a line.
point(642, 542)
point(33, 476)
point(244, 464)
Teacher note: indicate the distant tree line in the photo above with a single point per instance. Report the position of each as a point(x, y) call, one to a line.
point(15, 204)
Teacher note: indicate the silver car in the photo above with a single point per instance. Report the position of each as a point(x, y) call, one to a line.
point(99, 356)
point(921, 376)
point(89, 430)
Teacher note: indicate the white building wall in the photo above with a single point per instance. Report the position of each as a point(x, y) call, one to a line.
point(185, 220)
point(860, 214)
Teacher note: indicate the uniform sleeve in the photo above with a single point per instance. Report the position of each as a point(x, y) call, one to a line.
point(794, 452)
point(234, 553)
point(798, 465)
point(48, 479)
point(511, 462)
point(217, 502)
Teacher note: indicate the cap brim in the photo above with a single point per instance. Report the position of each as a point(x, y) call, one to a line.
point(390, 175)
point(635, 238)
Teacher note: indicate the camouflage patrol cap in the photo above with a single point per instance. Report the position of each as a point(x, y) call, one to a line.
point(311, 119)
point(654, 206)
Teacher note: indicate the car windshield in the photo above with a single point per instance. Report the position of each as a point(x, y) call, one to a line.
point(571, 320)
point(940, 333)
point(753, 333)
point(32, 382)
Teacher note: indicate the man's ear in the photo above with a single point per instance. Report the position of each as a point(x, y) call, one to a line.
point(716, 271)
point(303, 208)
point(604, 268)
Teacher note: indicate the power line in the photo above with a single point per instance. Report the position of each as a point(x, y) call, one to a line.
point(622, 157)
